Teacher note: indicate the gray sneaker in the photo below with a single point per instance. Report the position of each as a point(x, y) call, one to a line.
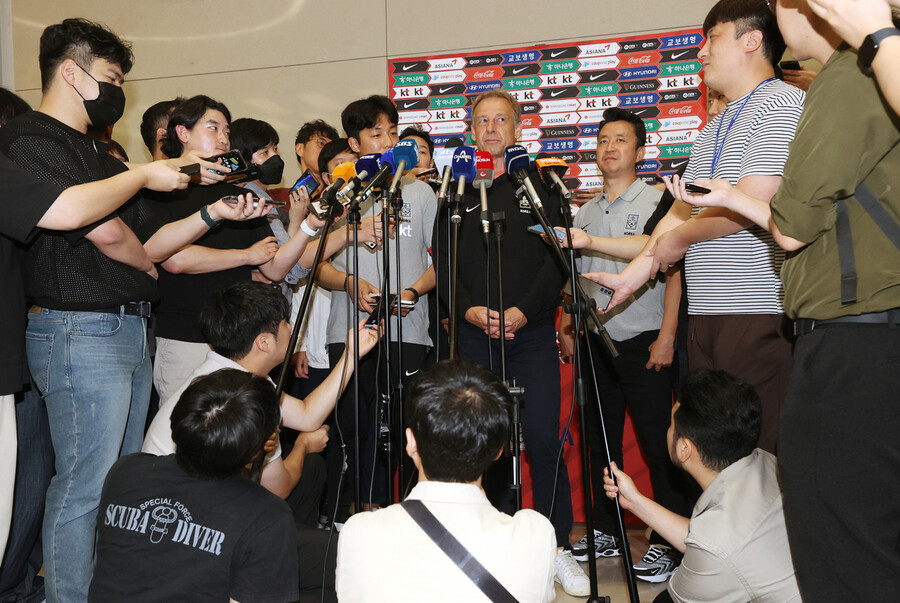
point(604, 546)
point(657, 564)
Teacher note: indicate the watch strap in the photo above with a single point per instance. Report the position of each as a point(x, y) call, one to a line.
point(869, 47)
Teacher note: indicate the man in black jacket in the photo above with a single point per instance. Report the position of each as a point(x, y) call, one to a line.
point(532, 281)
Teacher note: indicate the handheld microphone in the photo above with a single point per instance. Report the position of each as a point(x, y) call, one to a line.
point(552, 170)
point(484, 177)
point(405, 155)
point(463, 167)
point(517, 163)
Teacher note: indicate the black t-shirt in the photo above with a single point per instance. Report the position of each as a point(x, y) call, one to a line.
point(23, 201)
point(65, 271)
point(163, 535)
point(182, 296)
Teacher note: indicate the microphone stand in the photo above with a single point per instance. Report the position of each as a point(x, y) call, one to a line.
point(397, 206)
point(497, 221)
point(582, 306)
point(304, 302)
point(353, 220)
point(443, 208)
point(385, 419)
point(455, 220)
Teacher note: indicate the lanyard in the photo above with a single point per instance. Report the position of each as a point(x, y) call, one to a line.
point(717, 149)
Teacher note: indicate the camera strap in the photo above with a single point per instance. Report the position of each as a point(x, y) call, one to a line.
point(454, 549)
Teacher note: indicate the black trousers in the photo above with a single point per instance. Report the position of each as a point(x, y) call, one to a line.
point(372, 388)
point(839, 457)
point(533, 359)
point(624, 383)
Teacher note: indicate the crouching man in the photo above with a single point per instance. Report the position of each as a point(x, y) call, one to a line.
point(735, 543)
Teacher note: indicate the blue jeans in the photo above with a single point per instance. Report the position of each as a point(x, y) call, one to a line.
point(94, 372)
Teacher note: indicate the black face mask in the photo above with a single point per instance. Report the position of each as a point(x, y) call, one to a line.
point(108, 107)
point(271, 169)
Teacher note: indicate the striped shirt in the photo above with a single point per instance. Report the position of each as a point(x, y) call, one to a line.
point(739, 273)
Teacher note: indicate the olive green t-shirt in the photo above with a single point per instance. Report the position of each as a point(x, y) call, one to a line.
point(847, 134)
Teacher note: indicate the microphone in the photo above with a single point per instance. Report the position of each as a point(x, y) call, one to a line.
point(484, 177)
point(442, 160)
point(517, 163)
point(552, 170)
point(384, 170)
point(368, 164)
point(463, 167)
point(345, 171)
point(406, 154)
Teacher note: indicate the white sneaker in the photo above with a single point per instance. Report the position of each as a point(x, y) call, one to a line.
point(570, 575)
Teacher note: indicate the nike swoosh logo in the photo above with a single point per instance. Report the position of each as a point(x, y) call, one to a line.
point(468, 209)
point(557, 93)
point(408, 105)
point(409, 374)
point(553, 55)
point(408, 67)
point(442, 90)
point(675, 55)
point(678, 165)
point(517, 70)
point(639, 112)
point(595, 77)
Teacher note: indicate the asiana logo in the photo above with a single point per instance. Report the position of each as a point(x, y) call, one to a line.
point(161, 519)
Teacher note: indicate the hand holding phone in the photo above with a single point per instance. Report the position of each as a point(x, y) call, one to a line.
point(539, 229)
point(693, 188)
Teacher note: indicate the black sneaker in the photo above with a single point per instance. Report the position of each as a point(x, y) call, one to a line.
point(658, 563)
point(604, 546)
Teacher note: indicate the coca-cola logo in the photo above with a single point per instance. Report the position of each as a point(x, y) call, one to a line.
point(487, 74)
point(641, 60)
point(679, 110)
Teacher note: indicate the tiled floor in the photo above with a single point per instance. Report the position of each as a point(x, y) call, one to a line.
point(611, 574)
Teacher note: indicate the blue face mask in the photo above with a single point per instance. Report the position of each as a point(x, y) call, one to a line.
point(108, 107)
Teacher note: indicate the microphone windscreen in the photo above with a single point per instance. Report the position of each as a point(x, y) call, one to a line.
point(408, 151)
point(388, 159)
point(484, 169)
point(369, 164)
point(463, 163)
point(516, 158)
point(454, 142)
point(345, 170)
point(443, 158)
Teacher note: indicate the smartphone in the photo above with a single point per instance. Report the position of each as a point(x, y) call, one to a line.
point(539, 229)
point(603, 294)
point(690, 186)
point(233, 199)
point(378, 314)
point(428, 174)
point(792, 65)
point(307, 181)
point(231, 159)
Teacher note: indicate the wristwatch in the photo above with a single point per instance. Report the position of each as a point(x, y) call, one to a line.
point(869, 47)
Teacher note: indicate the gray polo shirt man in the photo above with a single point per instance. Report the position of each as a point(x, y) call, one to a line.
point(624, 216)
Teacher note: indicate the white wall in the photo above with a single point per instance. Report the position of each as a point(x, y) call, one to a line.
point(288, 61)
